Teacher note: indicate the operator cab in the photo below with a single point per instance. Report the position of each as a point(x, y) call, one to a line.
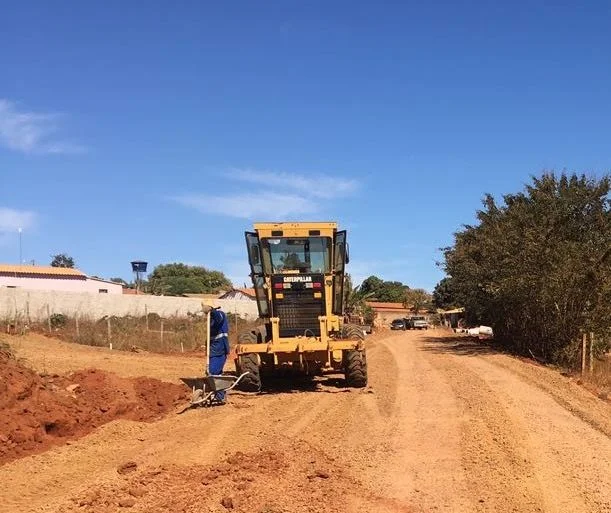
point(297, 271)
point(297, 255)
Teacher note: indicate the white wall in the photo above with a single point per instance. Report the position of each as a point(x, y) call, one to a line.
point(94, 285)
point(21, 303)
point(60, 284)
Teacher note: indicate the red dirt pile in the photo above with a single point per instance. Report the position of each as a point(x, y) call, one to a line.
point(42, 411)
point(254, 482)
point(294, 477)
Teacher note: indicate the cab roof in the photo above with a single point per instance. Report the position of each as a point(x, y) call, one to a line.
point(301, 229)
point(304, 225)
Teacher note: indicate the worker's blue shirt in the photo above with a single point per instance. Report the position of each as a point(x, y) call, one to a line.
point(219, 333)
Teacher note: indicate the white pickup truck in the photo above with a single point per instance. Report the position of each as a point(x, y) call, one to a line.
point(418, 322)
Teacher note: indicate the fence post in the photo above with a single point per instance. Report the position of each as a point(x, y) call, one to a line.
point(109, 333)
point(591, 352)
point(146, 316)
point(584, 342)
point(48, 317)
point(161, 333)
point(78, 330)
point(235, 316)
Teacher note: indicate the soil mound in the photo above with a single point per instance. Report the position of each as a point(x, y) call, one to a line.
point(42, 411)
point(291, 478)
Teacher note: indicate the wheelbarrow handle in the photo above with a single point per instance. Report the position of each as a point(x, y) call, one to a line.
point(237, 381)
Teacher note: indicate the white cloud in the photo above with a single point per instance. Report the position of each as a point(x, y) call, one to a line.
point(282, 196)
point(315, 185)
point(31, 132)
point(11, 220)
point(64, 148)
point(263, 205)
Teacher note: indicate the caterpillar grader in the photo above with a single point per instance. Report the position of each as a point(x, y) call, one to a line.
point(298, 273)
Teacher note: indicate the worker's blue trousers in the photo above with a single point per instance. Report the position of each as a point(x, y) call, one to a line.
point(216, 367)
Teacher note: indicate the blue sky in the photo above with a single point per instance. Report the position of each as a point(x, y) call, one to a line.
point(149, 129)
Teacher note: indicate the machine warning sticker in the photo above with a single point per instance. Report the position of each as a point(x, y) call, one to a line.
point(294, 279)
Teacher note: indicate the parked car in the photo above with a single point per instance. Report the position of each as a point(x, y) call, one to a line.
point(417, 322)
point(398, 324)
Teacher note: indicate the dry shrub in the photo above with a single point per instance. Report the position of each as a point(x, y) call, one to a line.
point(173, 334)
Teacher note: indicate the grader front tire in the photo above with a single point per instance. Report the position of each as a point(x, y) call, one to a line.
point(249, 362)
point(355, 368)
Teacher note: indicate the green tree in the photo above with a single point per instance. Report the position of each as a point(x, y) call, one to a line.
point(386, 291)
point(444, 295)
point(537, 266)
point(372, 284)
point(177, 279)
point(62, 260)
point(355, 299)
point(417, 300)
point(119, 280)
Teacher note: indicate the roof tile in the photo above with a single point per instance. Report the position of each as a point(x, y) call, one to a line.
point(38, 270)
point(379, 305)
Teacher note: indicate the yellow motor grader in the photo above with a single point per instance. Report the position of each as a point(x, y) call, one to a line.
point(298, 271)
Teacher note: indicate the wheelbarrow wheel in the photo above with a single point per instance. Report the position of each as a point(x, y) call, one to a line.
point(249, 362)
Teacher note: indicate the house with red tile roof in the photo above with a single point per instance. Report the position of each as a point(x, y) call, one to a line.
point(240, 294)
point(42, 277)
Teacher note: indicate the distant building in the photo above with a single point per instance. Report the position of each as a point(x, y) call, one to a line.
point(240, 294)
point(452, 318)
point(385, 313)
point(39, 277)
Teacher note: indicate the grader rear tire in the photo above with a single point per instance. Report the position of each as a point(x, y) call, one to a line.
point(249, 362)
point(355, 368)
point(254, 336)
point(352, 332)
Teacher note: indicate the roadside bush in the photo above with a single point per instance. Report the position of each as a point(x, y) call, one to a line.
point(58, 321)
point(537, 267)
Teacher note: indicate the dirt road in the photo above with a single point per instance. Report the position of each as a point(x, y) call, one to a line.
point(446, 425)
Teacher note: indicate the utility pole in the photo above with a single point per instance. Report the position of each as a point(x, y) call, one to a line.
point(20, 248)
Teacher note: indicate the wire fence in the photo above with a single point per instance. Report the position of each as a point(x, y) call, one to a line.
point(149, 332)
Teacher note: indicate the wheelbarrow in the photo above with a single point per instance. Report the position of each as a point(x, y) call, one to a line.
point(204, 389)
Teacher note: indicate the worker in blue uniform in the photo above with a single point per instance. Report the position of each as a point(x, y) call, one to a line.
point(219, 346)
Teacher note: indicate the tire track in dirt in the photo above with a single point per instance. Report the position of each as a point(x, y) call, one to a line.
point(498, 470)
point(353, 426)
point(569, 456)
point(580, 402)
point(425, 467)
point(522, 449)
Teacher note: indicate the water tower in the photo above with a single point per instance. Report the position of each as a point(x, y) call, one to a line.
point(139, 268)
